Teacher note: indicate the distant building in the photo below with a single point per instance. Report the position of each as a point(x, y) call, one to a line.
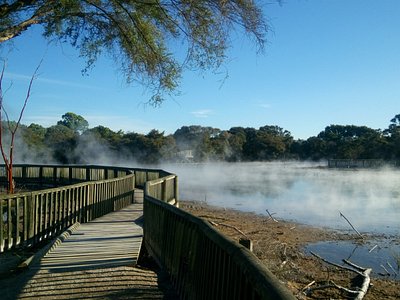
point(185, 156)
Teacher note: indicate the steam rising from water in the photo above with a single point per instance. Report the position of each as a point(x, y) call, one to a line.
point(302, 192)
point(305, 193)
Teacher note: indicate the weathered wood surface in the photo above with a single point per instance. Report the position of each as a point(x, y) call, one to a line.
point(108, 241)
point(96, 261)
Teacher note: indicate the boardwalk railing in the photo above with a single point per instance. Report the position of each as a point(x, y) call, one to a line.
point(202, 263)
point(362, 163)
point(80, 194)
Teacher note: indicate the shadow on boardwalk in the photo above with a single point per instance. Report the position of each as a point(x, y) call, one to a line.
point(97, 261)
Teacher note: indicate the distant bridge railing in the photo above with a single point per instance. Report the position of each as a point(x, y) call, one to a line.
point(77, 194)
point(362, 163)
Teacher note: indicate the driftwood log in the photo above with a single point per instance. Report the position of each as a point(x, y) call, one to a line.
point(360, 292)
point(229, 226)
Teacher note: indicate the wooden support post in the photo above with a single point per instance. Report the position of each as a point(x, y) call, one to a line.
point(41, 176)
point(164, 190)
point(23, 175)
point(16, 222)
point(9, 223)
point(176, 191)
point(88, 174)
point(70, 175)
point(55, 176)
point(25, 220)
point(247, 243)
point(1, 227)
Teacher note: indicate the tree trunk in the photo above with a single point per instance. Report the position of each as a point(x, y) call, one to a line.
point(10, 179)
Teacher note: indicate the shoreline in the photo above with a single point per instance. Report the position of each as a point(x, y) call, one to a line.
point(281, 247)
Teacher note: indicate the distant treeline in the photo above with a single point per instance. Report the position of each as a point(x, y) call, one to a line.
point(72, 141)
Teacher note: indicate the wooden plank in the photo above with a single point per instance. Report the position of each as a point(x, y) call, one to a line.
point(51, 214)
point(40, 218)
point(46, 216)
point(9, 223)
point(25, 219)
point(108, 241)
point(17, 221)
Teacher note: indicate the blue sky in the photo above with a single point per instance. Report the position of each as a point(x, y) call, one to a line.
point(326, 62)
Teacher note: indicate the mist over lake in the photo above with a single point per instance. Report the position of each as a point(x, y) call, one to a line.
point(303, 192)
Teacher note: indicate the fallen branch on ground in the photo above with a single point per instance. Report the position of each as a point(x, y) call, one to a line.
point(284, 256)
point(307, 286)
point(270, 215)
point(390, 266)
point(363, 272)
point(230, 226)
point(359, 234)
point(212, 217)
point(387, 272)
point(372, 249)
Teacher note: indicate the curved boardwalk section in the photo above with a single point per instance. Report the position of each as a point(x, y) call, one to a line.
point(108, 241)
point(96, 261)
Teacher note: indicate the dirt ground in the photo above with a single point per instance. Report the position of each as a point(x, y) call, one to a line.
point(279, 245)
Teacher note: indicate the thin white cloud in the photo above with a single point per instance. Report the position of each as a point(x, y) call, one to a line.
point(14, 76)
point(203, 113)
point(265, 105)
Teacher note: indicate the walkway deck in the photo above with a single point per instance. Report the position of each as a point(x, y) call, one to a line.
point(109, 241)
point(96, 261)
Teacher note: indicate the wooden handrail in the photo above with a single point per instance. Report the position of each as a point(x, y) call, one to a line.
point(74, 193)
point(201, 262)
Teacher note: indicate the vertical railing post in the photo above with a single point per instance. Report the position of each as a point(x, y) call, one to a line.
point(176, 191)
point(54, 176)
point(164, 190)
point(105, 172)
point(70, 175)
point(1, 227)
point(35, 210)
point(87, 173)
point(25, 217)
point(23, 179)
point(41, 175)
point(17, 216)
point(146, 189)
point(9, 223)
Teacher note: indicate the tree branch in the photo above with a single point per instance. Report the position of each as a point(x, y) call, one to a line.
point(28, 94)
point(15, 30)
point(8, 9)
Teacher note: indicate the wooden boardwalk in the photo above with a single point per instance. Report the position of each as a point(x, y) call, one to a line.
point(97, 261)
point(109, 241)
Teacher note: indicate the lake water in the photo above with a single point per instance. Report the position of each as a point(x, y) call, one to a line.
point(310, 194)
point(306, 193)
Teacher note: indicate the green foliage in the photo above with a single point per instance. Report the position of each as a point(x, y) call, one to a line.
point(34, 135)
point(267, 143)
point(393, 135)
point(138, 35)
point(74, 122)
point(62, 140)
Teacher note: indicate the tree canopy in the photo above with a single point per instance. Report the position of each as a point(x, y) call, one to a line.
point(73, 121)
point(139, 34)
point(62, 144)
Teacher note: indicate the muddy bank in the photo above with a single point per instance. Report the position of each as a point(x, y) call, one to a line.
point(281, 247)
